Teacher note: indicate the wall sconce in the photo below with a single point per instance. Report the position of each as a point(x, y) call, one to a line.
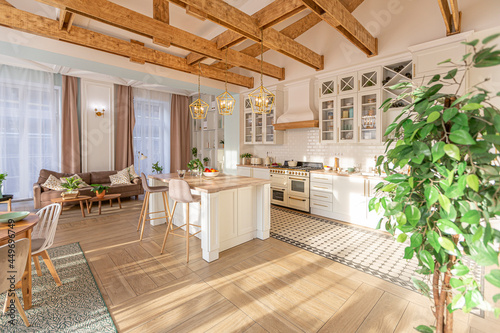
point(99, 113)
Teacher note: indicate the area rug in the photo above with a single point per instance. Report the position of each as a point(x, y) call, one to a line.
point(371, 252)
point(76, 306)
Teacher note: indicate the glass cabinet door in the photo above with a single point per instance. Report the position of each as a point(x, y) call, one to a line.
point(327, 120)
point(248, 127)
point(369, 120)
point(369, 78)
point(259, 132)
point(347, 107)
point(328, 87)
point(247, 104)
point(269, 121)
point(348, 83)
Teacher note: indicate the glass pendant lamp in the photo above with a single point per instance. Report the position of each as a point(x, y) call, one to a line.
point(199, 108)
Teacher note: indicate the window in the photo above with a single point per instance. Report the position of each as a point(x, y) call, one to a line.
point(152, 129)
point(29, 128)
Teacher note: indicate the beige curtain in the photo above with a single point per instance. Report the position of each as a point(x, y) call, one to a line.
point(70, 157)
point(180, 135)
point(125, 122)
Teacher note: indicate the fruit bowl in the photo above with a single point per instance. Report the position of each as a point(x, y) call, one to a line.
point(16, 216)
point(327, 168)
point(211, 174)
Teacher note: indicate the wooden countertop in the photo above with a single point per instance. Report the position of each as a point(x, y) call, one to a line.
point(253, 166)
point(212, 185)
point(359, 175)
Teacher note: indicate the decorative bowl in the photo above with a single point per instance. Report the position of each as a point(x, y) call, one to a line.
point(211, 174)
point(327, 168)
point(16, 216)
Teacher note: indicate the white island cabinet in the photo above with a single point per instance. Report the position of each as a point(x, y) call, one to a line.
point(233, 210)
point(253, 171)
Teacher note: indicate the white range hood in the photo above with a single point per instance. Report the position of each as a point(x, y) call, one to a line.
point(298, 113)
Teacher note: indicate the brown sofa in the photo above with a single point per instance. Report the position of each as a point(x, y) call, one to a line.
point(42, 195)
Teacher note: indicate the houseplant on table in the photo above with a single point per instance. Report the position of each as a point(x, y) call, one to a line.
point(100, 190)
point(245, 158)
point(444, 204)
point(2, 178)
point(71, 185)
point(157, 168)
point(206, 160)
point(194, 151)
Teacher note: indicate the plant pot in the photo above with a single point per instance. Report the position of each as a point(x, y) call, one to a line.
point(205, 163)
point(245, 161)
point(100, 195)
point(73, 194)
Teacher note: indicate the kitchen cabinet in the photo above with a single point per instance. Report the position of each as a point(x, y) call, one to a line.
point(262, 173)
point(369, 117)
point(347, 118)
point(369, 78)
point(244, 171)
point(258, 128)
point(347, 83)
point(328, 87)
point(328, 120)
point(321, 193)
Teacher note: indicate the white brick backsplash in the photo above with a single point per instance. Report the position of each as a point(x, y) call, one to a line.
point(303, 145)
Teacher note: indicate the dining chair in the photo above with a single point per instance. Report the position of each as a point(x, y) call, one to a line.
point(21, 250)
point(145, 204)
point(42, 238)
point(179, 191)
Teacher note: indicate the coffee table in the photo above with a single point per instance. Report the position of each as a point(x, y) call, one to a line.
point(7, 198)
point(80, 199)
point(109, 197)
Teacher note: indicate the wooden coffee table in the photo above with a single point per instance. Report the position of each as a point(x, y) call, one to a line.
point(109, 197)
point(80, 199)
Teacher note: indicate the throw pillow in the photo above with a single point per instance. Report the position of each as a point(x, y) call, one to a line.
point(121, 177)
point(53, 183)
point(133, 174)
point(83, 184)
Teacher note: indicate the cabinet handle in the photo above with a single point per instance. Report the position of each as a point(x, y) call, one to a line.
point(320, 196)
point(359, 85)
point(292, 178)
point(326, 188)
point(320, 205)
point(414, 69)
point(296, 199)
point(321, 178)
point(364, 187)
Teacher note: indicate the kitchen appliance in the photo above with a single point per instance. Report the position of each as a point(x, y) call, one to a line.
point(292, 163)
point(256, 161)
point(267, 160)
point(290, 184)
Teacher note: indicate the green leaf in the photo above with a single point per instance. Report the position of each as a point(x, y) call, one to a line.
point(408, 253)
point(472, 106)
point(452, 151)
point(493, 277)
point(446, 243)
point(437, 151)
point(490, 38)
point(493, 138)
point(444, 61)
point(424, 329)
point(458, 302)
point(389, 187)
point(435, 78)
point(473, 182)
point(444, 202)
point(433, 117)
point(471, 217)
point(416, 240)
point(448, 114)
point(420, 148)
point(402, 238)
point(427, 259)
point(412, 214)
point(431, 195)
point(459, 270)
point(484, 255)
point(420, 285)
point(433, 239)
point(496, 122)
point(462, 137)
point(451, 74)
point(390, 128)
point(496, 298)
point(396, 178)
point(448, 227)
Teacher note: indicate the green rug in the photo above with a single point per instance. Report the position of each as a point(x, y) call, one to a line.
point(76, 306)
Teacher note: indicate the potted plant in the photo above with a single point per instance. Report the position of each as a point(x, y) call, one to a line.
point(444, 204)
point(157, 168)
point(194, 151)
point(206, 160)
point(245, 158)
point(71, 185)
point(2, 178)
point(222, 143)
point(99, 189)
point(195, 165)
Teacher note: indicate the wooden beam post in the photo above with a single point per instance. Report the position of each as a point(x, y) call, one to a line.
point(161, 11)
point(124, 18)
point(4, 2)
point(445, 11)
point(452, 18)
point(31, 23)
point(457, 16)
point(334, 13)
point(66, 20)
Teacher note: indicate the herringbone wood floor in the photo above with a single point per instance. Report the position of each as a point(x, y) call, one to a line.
point(256, 287)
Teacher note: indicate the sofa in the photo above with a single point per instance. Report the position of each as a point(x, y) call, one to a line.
point(42, 195)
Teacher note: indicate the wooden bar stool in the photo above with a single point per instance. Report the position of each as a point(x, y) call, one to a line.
point(145, 204)
point(180, 192)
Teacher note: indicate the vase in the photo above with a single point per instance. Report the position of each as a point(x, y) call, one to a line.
point(100, 195)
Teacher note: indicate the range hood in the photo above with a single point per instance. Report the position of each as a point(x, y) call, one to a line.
point(298, 112)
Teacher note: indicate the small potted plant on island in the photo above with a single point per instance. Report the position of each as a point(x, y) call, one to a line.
point(71, 185)
point(195, 165)
point(2, 178)
point(157, 168)
point(99, 189)
point(206, 160)
point(245, 158)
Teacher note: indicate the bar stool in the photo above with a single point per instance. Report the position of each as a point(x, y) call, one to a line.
point(180, 192)
point(145, 204)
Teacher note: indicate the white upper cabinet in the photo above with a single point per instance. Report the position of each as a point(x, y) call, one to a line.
point(369, 78)
point(347, 118)
point(348, 83)
point(328, 87)
point(328, 120)
point(258, 128)
point(369, 117)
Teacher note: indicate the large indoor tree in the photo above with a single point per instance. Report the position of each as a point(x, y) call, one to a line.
point(441, 207)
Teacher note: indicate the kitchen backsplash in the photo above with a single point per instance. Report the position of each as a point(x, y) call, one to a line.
point(303, 145)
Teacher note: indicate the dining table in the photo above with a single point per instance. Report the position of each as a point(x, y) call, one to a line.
point(21, 229)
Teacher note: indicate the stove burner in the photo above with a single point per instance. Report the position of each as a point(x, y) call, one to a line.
point(301, 166)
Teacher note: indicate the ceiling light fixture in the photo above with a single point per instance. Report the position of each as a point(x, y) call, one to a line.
point(199, 107)
point(261, 99)
point(225, 101)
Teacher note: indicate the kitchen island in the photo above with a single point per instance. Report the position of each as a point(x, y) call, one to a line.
point(233, 210)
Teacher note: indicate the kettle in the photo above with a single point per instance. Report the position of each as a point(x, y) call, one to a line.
point(267, 160)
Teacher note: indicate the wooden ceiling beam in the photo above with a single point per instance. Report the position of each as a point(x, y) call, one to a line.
point(5, 3)
point(338, 16)
point(31, 23)
point(274, 13)
point(124, 18)
point(445, 11)
point(66, 20)
point(457, 16)
point(234, 19)
point(452, 17)
point(161, 11)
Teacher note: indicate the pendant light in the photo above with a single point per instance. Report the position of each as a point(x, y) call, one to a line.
point(225, 102)
point(261, 99)
point(199, 107)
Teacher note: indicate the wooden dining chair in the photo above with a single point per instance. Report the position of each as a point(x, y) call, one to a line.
point(21, 250)
point(42, 238)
